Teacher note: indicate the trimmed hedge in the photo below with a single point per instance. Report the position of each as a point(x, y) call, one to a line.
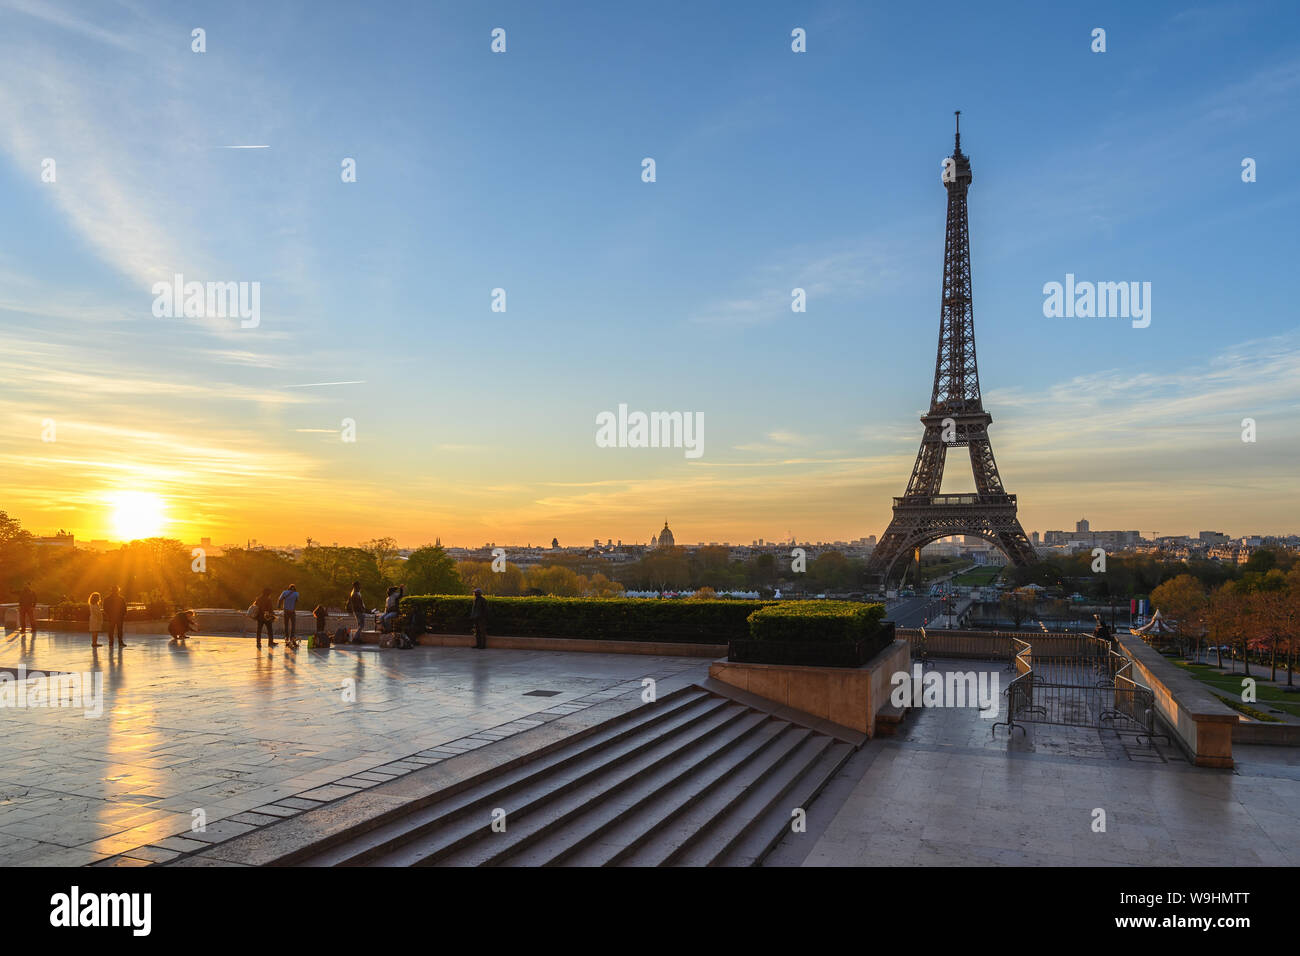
point(815, 621)
point(814, 633)
point(681, 620)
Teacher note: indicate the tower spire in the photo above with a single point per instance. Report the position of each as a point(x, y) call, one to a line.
point(957, 147)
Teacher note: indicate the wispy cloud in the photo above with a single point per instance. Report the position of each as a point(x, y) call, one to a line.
point(844, 271)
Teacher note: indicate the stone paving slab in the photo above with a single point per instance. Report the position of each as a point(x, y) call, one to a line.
point(946, 792)
point(217, 725)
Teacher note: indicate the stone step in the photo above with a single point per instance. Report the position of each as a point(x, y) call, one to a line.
point(649, 799)
point(676, 834)
point(888, 719)
point(772, 792)
point(766, 831)
point(686, 704)
point(697, 779)
point(604, 792)
point(471, 818)
point(650, 835)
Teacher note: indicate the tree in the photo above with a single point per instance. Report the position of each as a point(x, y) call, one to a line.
point(662, 570)
point(337, 568)
point(1182, 599)
point(1289, 619)
point(555, 580)
point(1225, 617)
point(384, 551)
point(601, 586)
point(430, 571)
point(17, 558)
point(831, 570)
point(1019, 604)
point(479, 574)
point(762, 570)
point(237, 577)
point(1263, 560)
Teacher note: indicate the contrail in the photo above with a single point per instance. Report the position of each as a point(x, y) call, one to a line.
point(314, 384)
point(243, 147)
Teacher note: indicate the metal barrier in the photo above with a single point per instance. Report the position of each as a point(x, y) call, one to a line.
point(1076, 681)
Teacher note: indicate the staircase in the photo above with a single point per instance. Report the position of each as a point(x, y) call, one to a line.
point(706, 776)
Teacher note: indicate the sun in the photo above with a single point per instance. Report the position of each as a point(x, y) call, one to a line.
point(138, 514)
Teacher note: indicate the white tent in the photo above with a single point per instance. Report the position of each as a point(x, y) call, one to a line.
point(1154, 626)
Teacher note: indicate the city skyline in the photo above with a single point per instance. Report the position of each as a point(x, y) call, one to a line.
point(793, 171)
point(607, 540)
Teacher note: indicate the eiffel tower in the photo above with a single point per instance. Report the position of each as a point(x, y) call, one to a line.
point(956, 418)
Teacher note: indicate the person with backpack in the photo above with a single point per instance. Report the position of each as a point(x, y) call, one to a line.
point(264, 610)
point(289, 601)
point(478, 618)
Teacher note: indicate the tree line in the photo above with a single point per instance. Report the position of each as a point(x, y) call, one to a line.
point(1256, 616)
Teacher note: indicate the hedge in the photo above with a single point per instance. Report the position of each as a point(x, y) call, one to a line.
point(683, 620)
point(815, 621)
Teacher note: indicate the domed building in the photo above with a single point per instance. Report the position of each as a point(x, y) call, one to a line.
point(665, 539)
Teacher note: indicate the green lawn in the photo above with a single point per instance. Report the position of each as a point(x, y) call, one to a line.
point(1268, 696)
point(931, 571)
point(978, 577)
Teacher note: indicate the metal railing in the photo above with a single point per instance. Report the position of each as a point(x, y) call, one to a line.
point(1020, 692)
point(931, 501)
point(1081, 681)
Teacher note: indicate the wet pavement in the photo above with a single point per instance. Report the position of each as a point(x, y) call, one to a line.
point(218, 734)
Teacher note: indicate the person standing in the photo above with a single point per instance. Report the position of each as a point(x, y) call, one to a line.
point(96, 619)
point(357, 606)
point(478, 618)
point(115, 615)
point(265, 618)
point(1101, 630)
point(289, 601)
point(27, 609)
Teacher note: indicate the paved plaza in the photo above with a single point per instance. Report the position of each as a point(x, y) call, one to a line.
point(946, 792)
point(240, 738)
point(249, 737)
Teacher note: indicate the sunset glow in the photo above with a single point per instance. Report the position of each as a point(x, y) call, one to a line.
point(137, 514)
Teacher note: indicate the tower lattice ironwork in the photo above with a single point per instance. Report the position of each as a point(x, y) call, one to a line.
point(956, 418)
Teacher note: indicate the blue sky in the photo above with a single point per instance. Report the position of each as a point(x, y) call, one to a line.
point(522, 171)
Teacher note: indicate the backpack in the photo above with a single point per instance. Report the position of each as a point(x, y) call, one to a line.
point(318, 640)
point(341, 636)
point(253, 611)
